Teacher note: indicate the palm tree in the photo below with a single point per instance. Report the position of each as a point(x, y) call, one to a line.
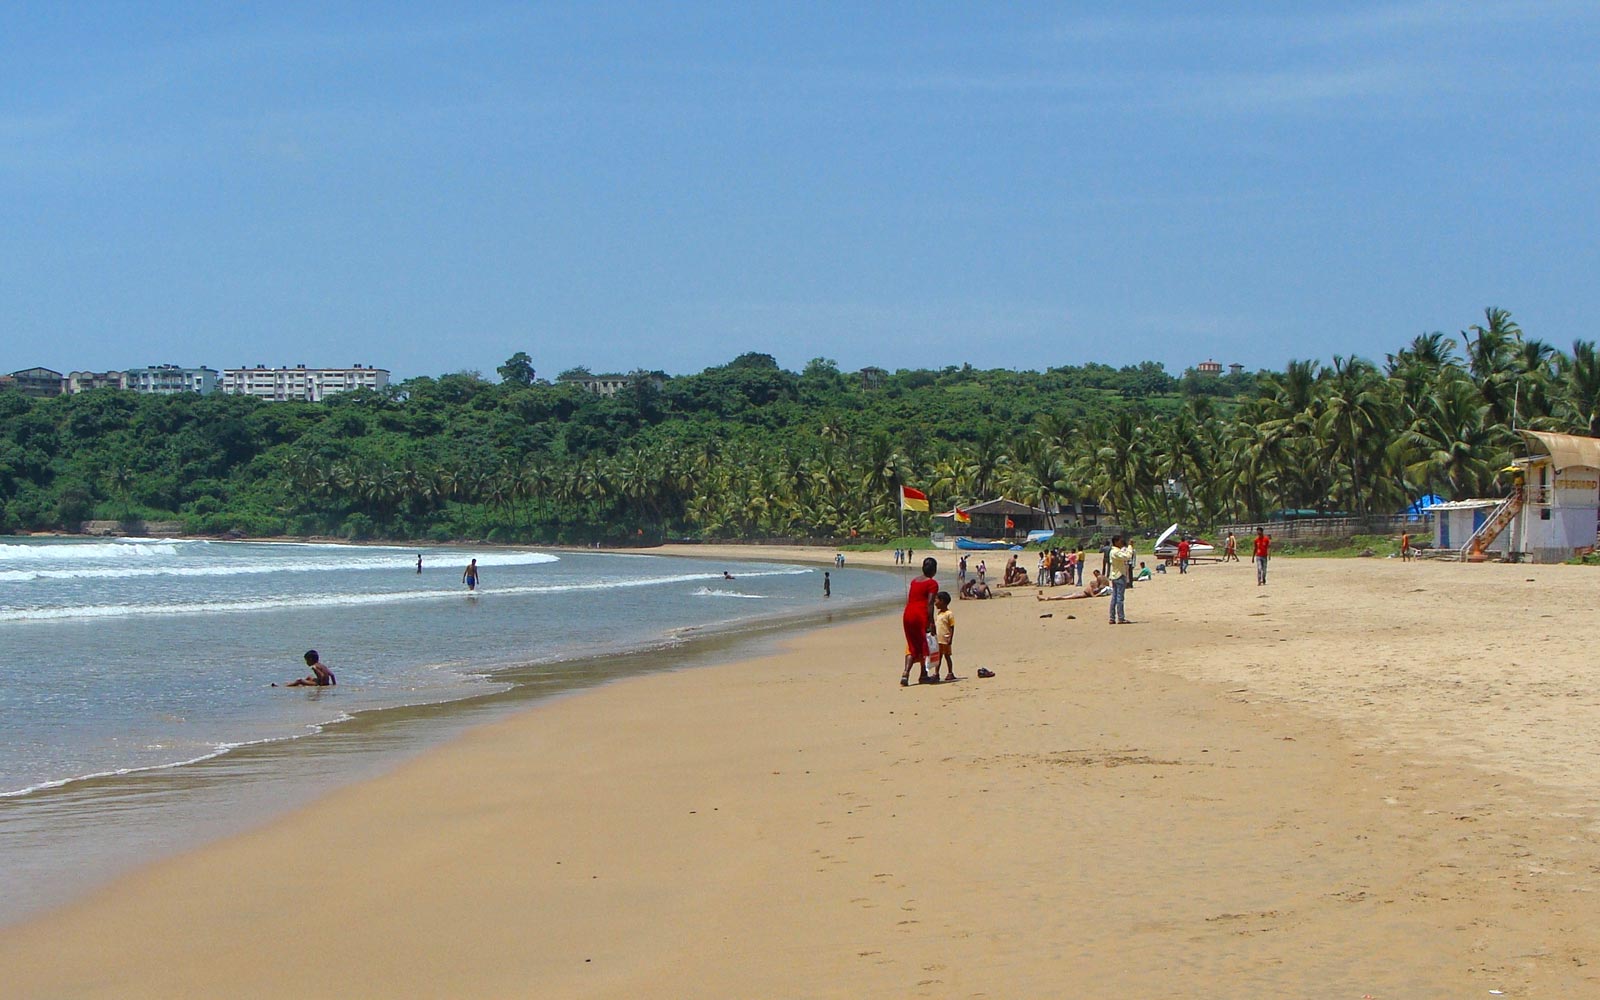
point(1579, 398)
point(1459, 447)
point(122, 477)
point(987, 458)
point(1356, 420)
point(1491, 360)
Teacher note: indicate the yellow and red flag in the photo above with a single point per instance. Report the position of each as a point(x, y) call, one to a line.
point(911, 499)
point(962, 517)
point(1010, 523)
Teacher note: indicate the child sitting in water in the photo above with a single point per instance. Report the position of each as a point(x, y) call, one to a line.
point(321, 676)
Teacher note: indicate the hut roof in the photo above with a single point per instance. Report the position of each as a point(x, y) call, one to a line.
point(1003, 506)
point(1464, 504)
point(1565, 450)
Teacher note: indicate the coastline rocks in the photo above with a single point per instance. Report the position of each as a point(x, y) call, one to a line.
point(155, 529)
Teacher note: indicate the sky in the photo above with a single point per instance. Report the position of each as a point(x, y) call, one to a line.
point(430, 188)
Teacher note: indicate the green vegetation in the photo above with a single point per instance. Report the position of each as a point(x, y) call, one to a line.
point(1380, 546)
point(748, 450)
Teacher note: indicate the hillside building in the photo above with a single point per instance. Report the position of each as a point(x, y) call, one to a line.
point(310, 384)
point(36, 382)
point(84, 381)
point(606, 385)
point(171, 380)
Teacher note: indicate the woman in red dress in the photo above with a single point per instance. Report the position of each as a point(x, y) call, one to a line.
point(919, 612)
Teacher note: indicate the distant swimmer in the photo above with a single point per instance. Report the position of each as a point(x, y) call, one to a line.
point(419, 562)
point(726, 575)
point(320, 676)
point(469, 576)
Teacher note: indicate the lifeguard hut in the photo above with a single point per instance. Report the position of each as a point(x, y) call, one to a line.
point(1551, 514)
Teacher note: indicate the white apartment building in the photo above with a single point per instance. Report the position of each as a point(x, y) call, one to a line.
point(300, 382)
point(167, 380)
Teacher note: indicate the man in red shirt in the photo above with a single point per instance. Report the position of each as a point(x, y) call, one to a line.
point(1183, 555)
point(1263, 544)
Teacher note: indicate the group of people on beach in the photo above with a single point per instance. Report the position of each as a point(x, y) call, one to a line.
point(1062, 567)
point(1066, 567)
point(930, 625)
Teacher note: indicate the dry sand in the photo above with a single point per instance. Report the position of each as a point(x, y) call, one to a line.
point(1367, 779)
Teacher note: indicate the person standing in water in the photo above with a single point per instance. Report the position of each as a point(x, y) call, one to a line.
point(419, 562)
point(469, 576)
point(827, 585)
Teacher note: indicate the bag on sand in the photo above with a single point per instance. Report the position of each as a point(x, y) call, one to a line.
point(985, 672)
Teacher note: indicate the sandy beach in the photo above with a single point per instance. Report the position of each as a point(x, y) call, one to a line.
point(1367, 779)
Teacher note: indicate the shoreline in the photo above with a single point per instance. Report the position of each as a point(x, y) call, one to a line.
point(1290, 792)
point(234, 789)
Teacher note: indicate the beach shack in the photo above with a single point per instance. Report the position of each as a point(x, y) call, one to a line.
point(995, 519)
point(1551, 514)
point(1456, 521)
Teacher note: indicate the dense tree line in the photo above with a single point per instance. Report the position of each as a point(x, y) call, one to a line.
point(748, 449)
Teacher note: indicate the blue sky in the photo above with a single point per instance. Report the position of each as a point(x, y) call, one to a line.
point(903, 185)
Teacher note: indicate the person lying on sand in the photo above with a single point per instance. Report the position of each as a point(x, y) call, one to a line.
point(1096, 587)
point(320, 676)
point(975, 590)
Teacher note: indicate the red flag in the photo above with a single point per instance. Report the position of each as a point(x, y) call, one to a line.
point(1010, 523)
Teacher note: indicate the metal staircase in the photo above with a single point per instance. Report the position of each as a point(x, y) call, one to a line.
point(1475, 547)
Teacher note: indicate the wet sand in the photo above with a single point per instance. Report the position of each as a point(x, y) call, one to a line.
point(1368, 778)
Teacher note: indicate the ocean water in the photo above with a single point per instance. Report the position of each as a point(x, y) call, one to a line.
point(135, 674)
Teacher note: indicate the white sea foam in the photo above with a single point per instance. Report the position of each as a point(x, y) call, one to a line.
point(358, 563)
point(710, 592)
point(79, 551)
point(275, 602)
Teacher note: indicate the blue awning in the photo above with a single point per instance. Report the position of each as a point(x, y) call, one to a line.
point(1422, 503)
